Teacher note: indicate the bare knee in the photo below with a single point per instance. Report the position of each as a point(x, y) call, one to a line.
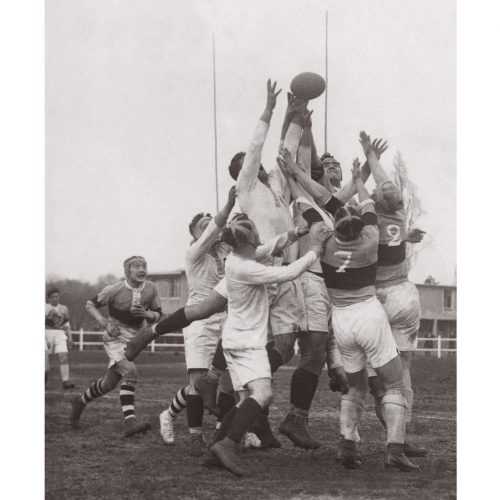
point(62, 357)
point(312, 351)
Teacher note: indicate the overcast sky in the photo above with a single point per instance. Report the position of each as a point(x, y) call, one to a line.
point(129, 113)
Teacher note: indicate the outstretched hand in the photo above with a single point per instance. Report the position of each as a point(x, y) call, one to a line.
point(231, 196)
point(271, 95)
point(356, 170)
point(415, 236)
point(366, 142)
point(379, 147)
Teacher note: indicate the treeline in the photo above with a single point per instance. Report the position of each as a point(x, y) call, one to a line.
point(74, 295)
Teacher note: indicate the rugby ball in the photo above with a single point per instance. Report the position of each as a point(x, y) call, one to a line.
point(308, 85)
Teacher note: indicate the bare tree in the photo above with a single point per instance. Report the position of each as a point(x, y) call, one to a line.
point(411, 200)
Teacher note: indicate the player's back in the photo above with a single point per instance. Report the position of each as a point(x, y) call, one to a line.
point(350, 267)
point(248, 307)
point(392, 263)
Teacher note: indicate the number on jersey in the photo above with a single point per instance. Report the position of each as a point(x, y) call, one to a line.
point(346, 256)
point(394, 232)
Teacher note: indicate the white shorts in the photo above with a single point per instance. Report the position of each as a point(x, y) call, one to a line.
point(200, 341)
point(362, 332)
point(246, 365)
point(114, 347)
point(287, 311)
point(317, 302)
point(402, 305)
point(55, 341)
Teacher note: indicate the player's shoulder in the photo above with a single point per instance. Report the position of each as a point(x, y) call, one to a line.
point(112, 288)
point(150, 285)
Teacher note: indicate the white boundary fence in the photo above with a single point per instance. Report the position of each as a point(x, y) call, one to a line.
point(78, 340)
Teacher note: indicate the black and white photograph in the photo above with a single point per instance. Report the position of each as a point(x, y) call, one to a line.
point(250, 249)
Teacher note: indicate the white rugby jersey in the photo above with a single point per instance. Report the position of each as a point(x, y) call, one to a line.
point(266, 205)
point(56, 317)
point(205, 264)
point(248, 303)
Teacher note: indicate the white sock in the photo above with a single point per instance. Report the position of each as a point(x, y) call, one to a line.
point(351, 411)
point(409, 401)
point(394, 408)
point(64, 368)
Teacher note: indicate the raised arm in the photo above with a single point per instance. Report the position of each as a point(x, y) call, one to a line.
point(203, 244)
point(379, 174)
point(254, 273)
point(278, 243)
point(290, 169)
point(304, 154)
point(251, 164)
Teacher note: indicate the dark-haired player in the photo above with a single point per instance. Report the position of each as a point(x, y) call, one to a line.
point(204, 269)
point(360, 323)
point(131, 304)
point(57, 335)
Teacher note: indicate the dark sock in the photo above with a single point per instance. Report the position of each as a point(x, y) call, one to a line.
point(195, 410)
point(293, 388)
point(219, 360)
point(176, 321)
point(244, 417)
point(226, 423)
point(225, 402)
point(275, 359)
point(304, 387)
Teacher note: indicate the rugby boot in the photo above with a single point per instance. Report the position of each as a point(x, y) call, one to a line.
point(227, 452)
point(412, 451)
point(262, 429)
point(68, 385)
point(197, 445)
point(396, 459)
point(77, 407)
point(167, 428)
point(211, 460)
point(142, 338)
point(294, 428)
point(345, 454)
point(207, 389)
point(133, 426)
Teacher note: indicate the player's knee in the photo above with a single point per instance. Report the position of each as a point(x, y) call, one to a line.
point(126, 369)
point(394, 387)
point(225, 384)
point(357, 392)
point(284, 344)
point(62, 357)
point(264, 397)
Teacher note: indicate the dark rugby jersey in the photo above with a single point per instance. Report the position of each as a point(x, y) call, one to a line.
point(392, 262)
point(350, 267)
point(118, 299)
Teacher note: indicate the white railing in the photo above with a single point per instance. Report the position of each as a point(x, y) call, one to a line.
point(81, 343)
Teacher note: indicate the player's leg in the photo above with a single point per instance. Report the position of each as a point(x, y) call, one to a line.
point(249, 369)
point(61, 350)
point(94, 391)
point(238, 421)
point(47, 357)
point(374, 334)
point(168, 416)
point(335, 364)
point(303, 387)
point(128, 371)
point(176, 321)
point(226, 398)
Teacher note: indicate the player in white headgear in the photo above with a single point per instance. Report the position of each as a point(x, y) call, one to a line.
point(131, 303)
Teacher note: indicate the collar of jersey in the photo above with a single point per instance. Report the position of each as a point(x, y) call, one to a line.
point(140, 288)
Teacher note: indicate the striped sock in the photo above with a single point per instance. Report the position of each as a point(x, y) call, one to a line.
point(127, 397)
point(179, 402)
point(93, 392)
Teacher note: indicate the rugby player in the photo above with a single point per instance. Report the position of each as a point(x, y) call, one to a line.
point(398, 296)
point(204, 269)
point(244, 337)
point(57, 335)
point(131, 303)
point(215, 302)
point(361, 327)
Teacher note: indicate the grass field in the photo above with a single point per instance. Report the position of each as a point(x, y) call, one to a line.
point(97, 462)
